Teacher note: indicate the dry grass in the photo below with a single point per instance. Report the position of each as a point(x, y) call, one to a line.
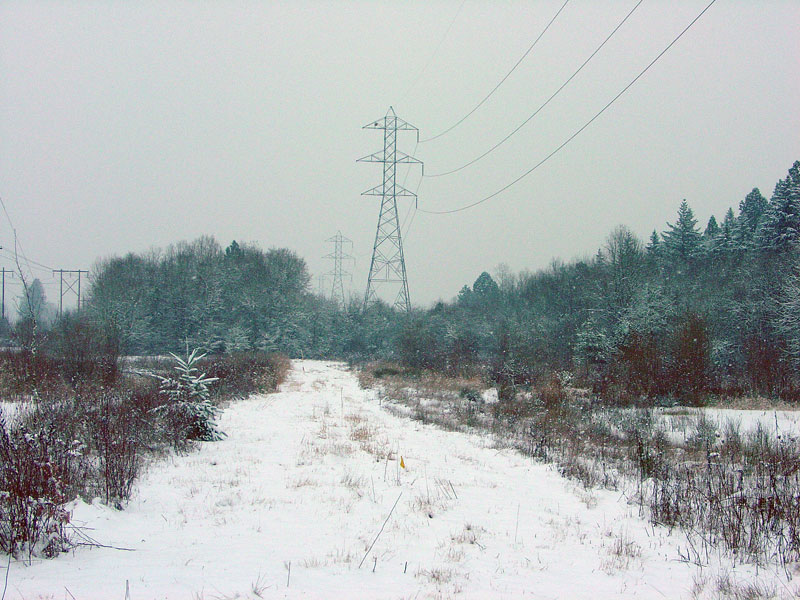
point(437, 575)
point(725, 490)
point(353, 482)
point(623, 552)
point(362, 433)
point(454, 555)
point(301, 482)
point(727, 588)
point(469, 535)
point(339, 556)
point(385, 373)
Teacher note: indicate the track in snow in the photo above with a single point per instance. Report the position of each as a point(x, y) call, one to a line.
point(308, 475)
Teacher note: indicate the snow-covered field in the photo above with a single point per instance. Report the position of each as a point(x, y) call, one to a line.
point(680, 423)
point(290, 503)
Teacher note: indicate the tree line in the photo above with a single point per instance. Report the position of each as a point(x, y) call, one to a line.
point(691, 311)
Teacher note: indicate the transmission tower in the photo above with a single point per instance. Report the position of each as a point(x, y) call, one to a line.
point(388, 263)
point(70, 286)
point(338, 274)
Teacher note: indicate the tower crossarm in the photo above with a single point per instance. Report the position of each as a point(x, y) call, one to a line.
point(391, 121)
point(399, 157)
point(379, 190)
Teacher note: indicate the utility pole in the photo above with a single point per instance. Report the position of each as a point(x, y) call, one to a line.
point(388, 264)
point(338, 256)
point(3, 302)
point(71, 286)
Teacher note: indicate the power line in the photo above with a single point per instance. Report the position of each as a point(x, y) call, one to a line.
point(412, 211)
point(37, 265)
point(5, 210)
point(17, 242)
point(435, 51)
point(405, 179)
point(538, 110)
point(574, 135)
point(465, 117)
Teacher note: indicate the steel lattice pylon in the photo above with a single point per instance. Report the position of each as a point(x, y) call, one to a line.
point(338, 273)
point(388, 263)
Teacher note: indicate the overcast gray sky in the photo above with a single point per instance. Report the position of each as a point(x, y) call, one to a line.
point(127, 125)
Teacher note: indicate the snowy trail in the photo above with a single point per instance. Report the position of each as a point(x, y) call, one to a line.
point(308, 475)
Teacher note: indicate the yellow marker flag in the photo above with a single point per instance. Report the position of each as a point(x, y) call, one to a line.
point(402, 463)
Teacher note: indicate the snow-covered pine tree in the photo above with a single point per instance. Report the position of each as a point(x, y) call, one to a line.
point(485, 288)
point(654, 244)
point(592, 346)
point(751, 215)
point(710, 235)
point(683, 241)
point(780, 231)
point(189, 407)
point(712, 229)
point(726, 240)
point(237, 339)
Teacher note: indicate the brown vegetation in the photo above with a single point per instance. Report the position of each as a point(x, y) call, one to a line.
point(724, 489)
point(79, 434)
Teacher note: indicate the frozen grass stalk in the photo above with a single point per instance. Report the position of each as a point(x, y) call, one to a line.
point(381, 531)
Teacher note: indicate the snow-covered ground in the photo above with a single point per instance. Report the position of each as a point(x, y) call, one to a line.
point(290, 503)
point(10, 410)
point(681, 423)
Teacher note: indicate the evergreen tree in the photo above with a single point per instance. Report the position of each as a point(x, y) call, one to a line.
point(726, 241)
point(189, 409)
point(682, 241)
point(654, 244)
point(237, 339)
point(234, 251)
point(32, 305)
point(592, 347)
point(465, 296)
point(710, 235)
point(781, 229)
point(751, 214)
point(485, 288)
point(712, 229)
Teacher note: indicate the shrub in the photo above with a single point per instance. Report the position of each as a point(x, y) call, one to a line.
point(385, 371)
point(242, 373)
point(23, 373)
point(87, 440)
point(33, 464)
point(691, 358)
point(115, 426)
point(75, 353)
point(471, 405)
point(84, 351)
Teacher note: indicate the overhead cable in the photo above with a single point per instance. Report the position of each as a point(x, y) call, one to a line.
point(578, 132)
point(32, 264)
point(17, 242)
point(538, 110)
point(435, 51)
point(477, 106)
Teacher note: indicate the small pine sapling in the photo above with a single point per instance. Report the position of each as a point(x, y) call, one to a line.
point(189, 404)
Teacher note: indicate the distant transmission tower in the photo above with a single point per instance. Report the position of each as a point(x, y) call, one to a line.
point(388, 263)
point(338, 274)
point(70, 286)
